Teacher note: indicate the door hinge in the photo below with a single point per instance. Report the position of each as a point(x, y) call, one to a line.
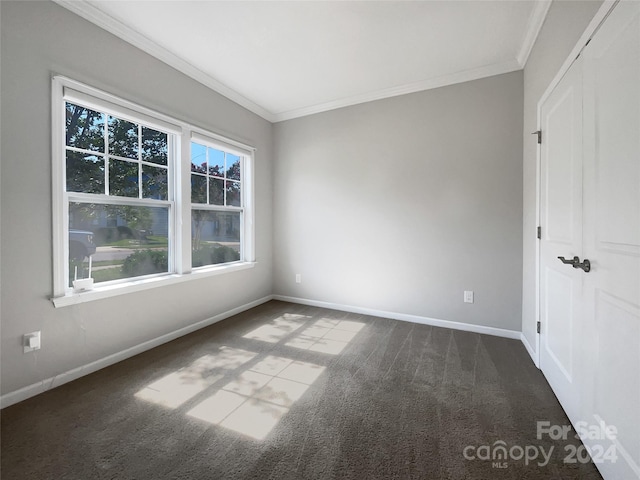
point(539, 134)
point(538, 327)
point(539, 233)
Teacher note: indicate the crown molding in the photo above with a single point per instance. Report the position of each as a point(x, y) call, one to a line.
point(431, 83)
point(534, 25)
point(96, 16)
point(90, 12)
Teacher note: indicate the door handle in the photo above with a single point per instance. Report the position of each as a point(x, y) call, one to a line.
point(571, 262)
point(576, 263)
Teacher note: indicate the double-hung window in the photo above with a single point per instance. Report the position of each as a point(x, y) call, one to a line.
point(123, 214)
point(216, 197)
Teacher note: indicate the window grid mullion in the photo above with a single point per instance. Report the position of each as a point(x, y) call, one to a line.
point(139, 161)
point(105, 119)
point(224, 181)
point(79, 197)
point(156, 165)
point(217, 208)
point(242, 187)
point(132, 160)
point(206, 156)
point(84, 151)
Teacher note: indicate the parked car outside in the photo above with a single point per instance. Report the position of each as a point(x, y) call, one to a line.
point(81, 245)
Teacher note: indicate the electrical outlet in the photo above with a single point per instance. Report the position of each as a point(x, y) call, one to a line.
point(298, 278)
point(31, 342)
point(468, 296)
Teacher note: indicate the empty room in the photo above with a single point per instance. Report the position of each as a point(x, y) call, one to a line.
point(320, 239)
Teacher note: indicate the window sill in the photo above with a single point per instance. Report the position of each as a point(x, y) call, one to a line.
point(106, 291)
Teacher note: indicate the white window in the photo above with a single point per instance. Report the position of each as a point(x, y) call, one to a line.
point(217, 212)
point(122, 214)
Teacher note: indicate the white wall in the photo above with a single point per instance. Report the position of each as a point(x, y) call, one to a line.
point(402, 204)
point(564, 24)
point(40, 39)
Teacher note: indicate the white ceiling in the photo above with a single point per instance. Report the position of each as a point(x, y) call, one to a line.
point(284, 60)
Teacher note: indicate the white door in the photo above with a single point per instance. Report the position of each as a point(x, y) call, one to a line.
point(612, 236)
point(590, 208)
point(561, 223)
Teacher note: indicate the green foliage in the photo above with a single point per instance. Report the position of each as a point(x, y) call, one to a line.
point(136, 218)
point(123, 138)
point(154, 146)
point(213, 254)
point(86, 129)
point(145, 262)
point(213, 178)
point(110, 235)
point(107, 274)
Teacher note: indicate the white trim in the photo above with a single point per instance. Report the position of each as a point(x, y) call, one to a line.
point(96, 16)
point(105, 102)
point(145, 283)
point(182, 183)
point(219, 142)
point(249, 202)
point(534, 25)
point(99, 199)
point(468, 327)
point(70, 375)
point(595, 23)
point(536, 356)
point(442, 81)
point(110, 24)
point(60, 213)
point(532, 352)
point(84, 93)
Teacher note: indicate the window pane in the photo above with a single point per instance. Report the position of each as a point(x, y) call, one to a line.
point(123, 138)
point(233, 193)
point(154, 182)
point(198, 158)
point(215, 237)
point(122, 241)
point(233, 167)
point(198, 188)
point(216, 191)
point(154, 146)
point(85, 173)
point(216, 162)
point(84, 128)
point(123, 178)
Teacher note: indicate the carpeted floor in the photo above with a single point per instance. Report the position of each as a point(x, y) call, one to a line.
point(285, 391)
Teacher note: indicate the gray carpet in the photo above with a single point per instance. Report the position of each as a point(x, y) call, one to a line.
point(285, 391)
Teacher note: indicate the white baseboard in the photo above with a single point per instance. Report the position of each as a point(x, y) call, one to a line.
point(49, 383)
point(530, 349)
point(469, 327)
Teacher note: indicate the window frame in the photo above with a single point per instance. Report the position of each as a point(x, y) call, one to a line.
point(180, 135)
point(209, 142)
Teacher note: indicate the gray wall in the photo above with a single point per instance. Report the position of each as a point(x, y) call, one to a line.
point(565, 23)
point(402, 204)
point(38, 40)
point(397, 205)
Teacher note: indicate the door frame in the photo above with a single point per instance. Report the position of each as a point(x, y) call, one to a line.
point(596, 21)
